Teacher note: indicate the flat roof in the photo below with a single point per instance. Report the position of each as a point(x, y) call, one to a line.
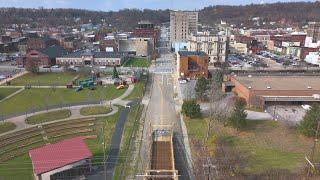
point(53, 156)
point(280, 82)
point(192, 53)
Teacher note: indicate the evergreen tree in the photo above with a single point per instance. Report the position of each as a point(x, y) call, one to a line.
point(191, 109)
point(201, 88)
point(238, 117)
point(115, 74)
point(217, 77)
point(309, 124)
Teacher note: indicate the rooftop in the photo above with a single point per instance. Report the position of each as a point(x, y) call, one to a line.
point(280, 82)
point(192, 53)
point(101, 54)
point(53, 51)
point(53, 156)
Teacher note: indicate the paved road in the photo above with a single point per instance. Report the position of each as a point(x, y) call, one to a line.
point(162, 112)
point(113, 153)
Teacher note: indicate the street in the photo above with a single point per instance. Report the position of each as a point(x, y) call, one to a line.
point(161, 112)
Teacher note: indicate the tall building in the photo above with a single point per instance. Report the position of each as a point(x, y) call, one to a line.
point(313, 35)
point(182, 24)
point(215, 45)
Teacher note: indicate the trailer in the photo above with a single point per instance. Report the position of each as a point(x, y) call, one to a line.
point(162, 156)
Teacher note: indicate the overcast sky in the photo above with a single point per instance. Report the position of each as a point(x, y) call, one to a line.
point(106, 5)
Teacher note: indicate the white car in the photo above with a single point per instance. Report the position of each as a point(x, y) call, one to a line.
point(183, 81)
point(127, 106)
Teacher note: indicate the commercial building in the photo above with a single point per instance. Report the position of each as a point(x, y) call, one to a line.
point(261, 91)
point(313, 35)
point(82, 58)
point(192, 64)
point(63, 160)
point(43, 57)
point(182, 24)
point(215, 45)
point(136, 46)
point(239, 48)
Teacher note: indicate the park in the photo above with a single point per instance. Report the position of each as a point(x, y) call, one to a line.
point(42, 110)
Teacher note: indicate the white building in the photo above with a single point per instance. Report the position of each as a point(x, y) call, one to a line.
point(215, 45)
point(313, 58)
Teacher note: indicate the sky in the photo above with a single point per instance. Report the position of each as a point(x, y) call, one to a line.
point(107, 5)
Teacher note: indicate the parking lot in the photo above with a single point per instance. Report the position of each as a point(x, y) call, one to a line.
point(287, 113)
point(240, 61)
point(187, 89)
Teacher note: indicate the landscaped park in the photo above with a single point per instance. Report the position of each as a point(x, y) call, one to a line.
point(95, 122)
point(34, 99)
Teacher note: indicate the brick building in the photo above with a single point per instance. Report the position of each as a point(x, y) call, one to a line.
point(82, 58)
point(43, 57)
point(261, 91)
point(192, 64)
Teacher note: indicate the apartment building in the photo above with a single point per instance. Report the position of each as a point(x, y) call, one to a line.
point(313, 35)
point(182, 24)
point(215, 45)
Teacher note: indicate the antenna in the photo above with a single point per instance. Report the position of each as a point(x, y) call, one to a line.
point(171, 4)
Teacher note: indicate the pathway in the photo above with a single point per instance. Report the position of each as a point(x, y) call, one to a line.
point(19, 121)
point(11, 95)
point(13, 77)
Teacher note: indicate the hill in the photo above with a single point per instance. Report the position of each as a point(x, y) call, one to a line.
point(126, 19)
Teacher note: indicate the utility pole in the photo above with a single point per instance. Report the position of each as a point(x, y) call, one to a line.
point(313, 149)
point(104, 153)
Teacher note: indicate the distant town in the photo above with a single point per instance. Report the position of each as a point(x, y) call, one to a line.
point(160, 98)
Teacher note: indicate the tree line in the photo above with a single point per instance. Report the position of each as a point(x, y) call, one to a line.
point(289, 13)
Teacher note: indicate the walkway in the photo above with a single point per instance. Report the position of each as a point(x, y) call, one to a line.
point(13, 77)
point(19, 121)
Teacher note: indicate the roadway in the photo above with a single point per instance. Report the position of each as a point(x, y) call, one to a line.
point(161, 112)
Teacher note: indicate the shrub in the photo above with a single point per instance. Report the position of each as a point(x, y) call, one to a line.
point(191, 109)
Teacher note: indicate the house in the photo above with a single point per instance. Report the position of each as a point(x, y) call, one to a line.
point(60, 160)
point(192, 64)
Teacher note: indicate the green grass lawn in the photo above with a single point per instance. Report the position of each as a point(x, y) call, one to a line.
point(4, 92)
point(41, 98)
point(49, 116)
point(17, 168)
point(43, 79)
point(94, 110)
point(137, 91)
point(137, 62)
point(263, 145)
point(6, 126)
point(130, 126)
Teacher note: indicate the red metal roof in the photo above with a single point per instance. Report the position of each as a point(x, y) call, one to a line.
point(57, 155)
